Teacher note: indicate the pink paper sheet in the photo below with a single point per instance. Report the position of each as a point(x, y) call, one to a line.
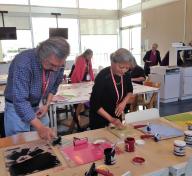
point(86, 153)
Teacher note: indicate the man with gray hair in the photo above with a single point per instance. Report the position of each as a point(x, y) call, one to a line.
point(34, 76)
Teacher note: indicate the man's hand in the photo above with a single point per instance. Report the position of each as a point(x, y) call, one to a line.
point(46, 133)
point(43, 131)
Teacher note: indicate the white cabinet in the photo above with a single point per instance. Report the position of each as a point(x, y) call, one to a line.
point(176, 82)
point(186, 83)
point(170, 82)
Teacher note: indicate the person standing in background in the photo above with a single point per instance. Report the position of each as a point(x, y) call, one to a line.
point(33, 79)
point(151, 58)
point(82, 72)
point(83, 68)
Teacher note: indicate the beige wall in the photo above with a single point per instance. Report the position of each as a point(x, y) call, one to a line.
point(165, 24)
point(189, 21)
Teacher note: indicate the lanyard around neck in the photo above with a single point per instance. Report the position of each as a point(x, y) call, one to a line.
point(45, 82)
point(117, 92)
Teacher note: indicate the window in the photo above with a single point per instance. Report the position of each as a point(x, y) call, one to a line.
point(102, 46)
point(136, 43)
point(12, 47)
point(131, 35)
point(100, 35)
point(131, 20)
point(126, 39)
point(98, 4)
point(54, 3)
point(128, 3)
point(20, 2)
point(42, 33)
point(131, 40)
point(98, 26)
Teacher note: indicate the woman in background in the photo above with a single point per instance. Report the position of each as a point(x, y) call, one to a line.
point(137, 73)
point(83, 68)
point(112, 91)
point(151, 58)
point(82, 71)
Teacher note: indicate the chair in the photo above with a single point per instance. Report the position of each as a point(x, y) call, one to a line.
point(141, 100)
point(188, 168)
point(66, 109)
point(142, 115)
point(182, 169)
point(161, 172)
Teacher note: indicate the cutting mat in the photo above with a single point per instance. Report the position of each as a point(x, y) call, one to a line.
point(164, 131)
point(180, 119)
point(121, 133)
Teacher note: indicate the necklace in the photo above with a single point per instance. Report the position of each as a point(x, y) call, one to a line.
point(118, 83)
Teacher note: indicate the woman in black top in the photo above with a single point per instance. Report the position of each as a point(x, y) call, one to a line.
point(137, 73)
point(151, 58)
point(112, 91)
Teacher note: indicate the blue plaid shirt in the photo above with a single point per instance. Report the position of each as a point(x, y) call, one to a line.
point(24, 85)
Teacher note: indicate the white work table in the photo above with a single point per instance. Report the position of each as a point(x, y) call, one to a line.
point(2, 104)
point(69, 94)
point(3, 79)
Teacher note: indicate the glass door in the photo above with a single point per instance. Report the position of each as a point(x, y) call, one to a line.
point(131, 39)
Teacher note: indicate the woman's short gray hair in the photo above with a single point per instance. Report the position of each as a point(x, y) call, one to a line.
point(54, 45)
point(123, 55)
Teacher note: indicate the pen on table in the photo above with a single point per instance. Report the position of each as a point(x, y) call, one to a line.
point(113, 148)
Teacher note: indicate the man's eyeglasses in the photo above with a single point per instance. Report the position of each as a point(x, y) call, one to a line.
point(55, 67)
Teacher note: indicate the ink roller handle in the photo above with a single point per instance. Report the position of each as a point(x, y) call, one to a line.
point(139, 126)
point(79, 141)
point(103, 172)
point(146, 136)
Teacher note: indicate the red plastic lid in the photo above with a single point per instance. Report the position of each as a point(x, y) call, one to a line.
point(138, 160)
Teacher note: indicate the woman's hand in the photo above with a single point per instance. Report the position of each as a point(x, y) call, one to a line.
point(120, 108)
point(42, 111)
point(117, 123)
